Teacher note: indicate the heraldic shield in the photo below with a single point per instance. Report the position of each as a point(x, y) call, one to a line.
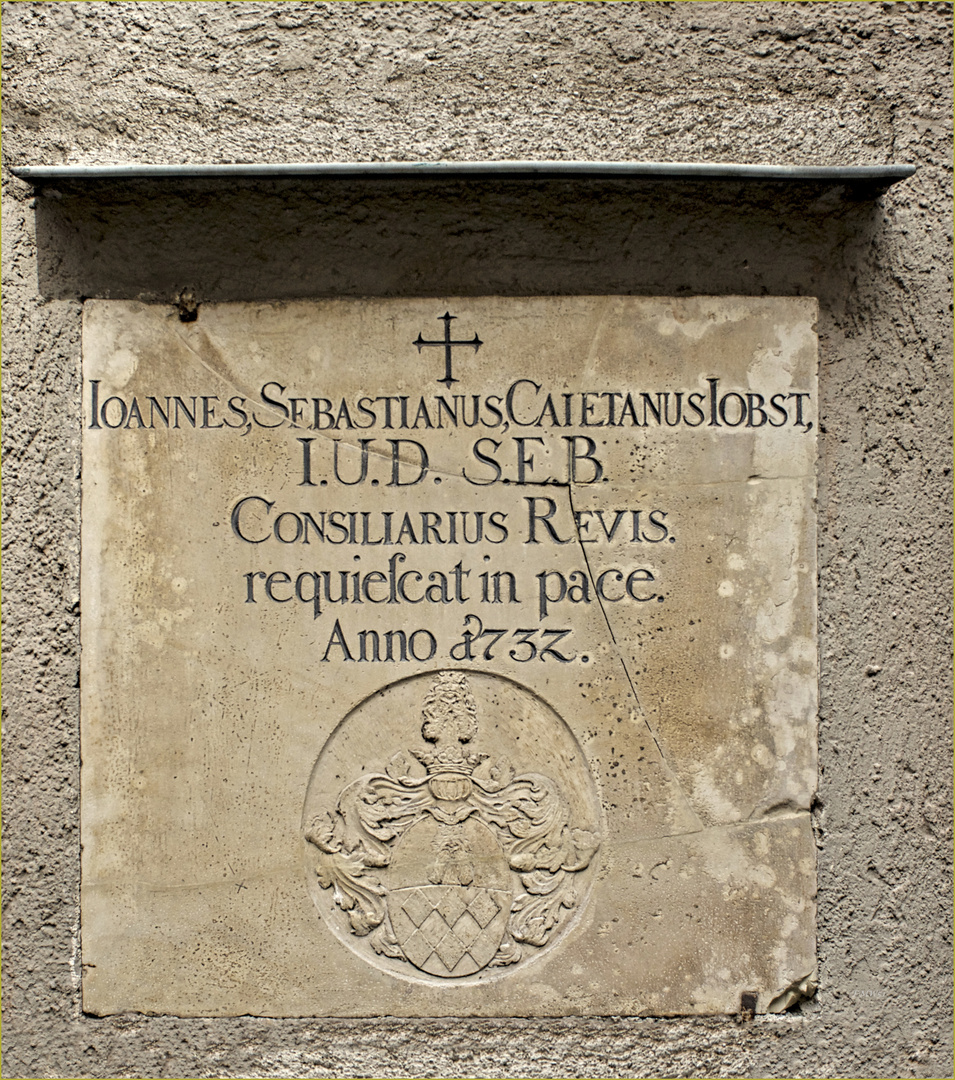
point(463, 867)
point(449, 930)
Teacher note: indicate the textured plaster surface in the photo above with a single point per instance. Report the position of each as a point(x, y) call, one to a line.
point(774, 83)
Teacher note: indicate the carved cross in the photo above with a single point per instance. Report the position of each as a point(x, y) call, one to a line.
point(447, 343)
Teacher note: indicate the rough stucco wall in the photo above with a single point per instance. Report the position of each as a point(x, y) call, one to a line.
point(776, 83)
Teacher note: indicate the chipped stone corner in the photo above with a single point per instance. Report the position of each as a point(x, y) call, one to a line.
point(793, 995)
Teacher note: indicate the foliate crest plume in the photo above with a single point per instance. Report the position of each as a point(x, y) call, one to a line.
point(449, 720)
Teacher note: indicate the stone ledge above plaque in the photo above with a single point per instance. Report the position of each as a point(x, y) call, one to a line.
point(449, 657)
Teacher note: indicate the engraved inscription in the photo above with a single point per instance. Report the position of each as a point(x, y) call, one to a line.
point(448, 860)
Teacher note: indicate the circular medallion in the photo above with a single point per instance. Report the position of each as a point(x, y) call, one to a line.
point(450, 827)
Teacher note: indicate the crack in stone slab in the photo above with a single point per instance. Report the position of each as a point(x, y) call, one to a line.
point(623, 663)
point(224, 372)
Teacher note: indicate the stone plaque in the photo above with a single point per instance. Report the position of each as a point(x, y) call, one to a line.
point(449, 656)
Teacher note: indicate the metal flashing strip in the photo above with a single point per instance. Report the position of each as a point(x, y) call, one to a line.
point(876, 176)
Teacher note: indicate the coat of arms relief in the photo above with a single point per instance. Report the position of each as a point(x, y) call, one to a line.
point(450, 860)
